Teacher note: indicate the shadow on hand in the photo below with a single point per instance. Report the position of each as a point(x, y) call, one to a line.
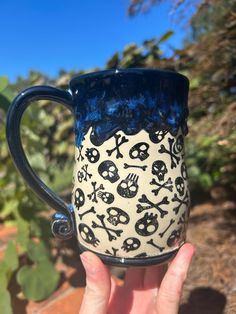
point(205, 301)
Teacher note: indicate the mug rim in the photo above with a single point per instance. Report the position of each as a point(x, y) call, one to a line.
point(136, 71)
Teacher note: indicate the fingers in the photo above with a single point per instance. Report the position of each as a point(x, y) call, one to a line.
point(98, 285)
point(172, 284)
point(154, 276)
point(134, 278)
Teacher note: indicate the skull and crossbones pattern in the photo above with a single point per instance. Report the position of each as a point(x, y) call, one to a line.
point(108, 171)
point(131, 194)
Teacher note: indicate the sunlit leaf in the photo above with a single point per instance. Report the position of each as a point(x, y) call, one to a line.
point(5, 301)
point(38, 281)
point(22, 233)
point(6, 96)
point(165, 36)
point(37, 161)
point(3, 83)
point(4, 270)
point(9, 207)
point(37, 251)
point(194, 83)
point(11, 258)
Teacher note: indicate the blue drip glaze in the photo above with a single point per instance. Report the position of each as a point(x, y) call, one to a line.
point(129, 100)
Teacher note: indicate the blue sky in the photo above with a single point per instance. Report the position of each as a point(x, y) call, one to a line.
point(49, 35)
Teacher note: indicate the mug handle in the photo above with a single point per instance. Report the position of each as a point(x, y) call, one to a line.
point(63, 221)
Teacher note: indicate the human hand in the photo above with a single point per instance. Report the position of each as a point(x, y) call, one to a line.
point(155, 289)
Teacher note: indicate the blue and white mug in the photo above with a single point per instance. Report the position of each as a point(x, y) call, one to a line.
point(130, 200)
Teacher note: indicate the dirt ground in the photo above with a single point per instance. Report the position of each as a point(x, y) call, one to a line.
point(211, 284)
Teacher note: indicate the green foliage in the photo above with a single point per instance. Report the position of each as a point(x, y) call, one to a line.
point(11, 258)
point(148, 55)
point(3, 83)
point(6, 93)
point(208, 60)
point(7, 267)
point(211, 160)
point(9, 264)
point(165, 37)
point(5, 301)
point(41, 125)
point(40, 279)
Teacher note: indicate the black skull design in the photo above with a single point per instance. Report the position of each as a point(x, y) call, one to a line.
point(128, 187)
point(92, 154)
point(179, 184)
point(174, 237)
point(159, 169)
point(80, 176)
point(106, 197)
point(184, 172)
point(108, 170)
point(79, 198)
point(88, 235)
point(131, 244)
point(158, 136)
point(147, 225)
point(117, 216)
point(139, 151)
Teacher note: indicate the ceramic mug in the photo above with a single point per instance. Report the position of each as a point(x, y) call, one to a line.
point(130, 199)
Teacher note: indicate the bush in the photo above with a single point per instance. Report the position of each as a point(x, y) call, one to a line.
point(37, 277)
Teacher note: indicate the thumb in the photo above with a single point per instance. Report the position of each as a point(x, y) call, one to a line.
point(172, 284)
point(98, 285)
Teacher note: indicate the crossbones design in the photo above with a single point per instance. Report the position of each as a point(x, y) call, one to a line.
point(114, 251)
point(183, 220)
point(118, 142)
point(91, 210)
point(93, 195)
point(184, 201)
point(150, 205)
point(109, 231)
point(166, 185)
point(161, 234)
point(126, 166)
point(174, 159)
point(151, 242)
point(85, 172)
point(80, 157)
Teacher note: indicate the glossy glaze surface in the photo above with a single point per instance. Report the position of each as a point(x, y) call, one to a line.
point(129, 100)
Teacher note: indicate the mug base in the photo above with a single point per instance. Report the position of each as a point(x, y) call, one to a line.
point(134, 261)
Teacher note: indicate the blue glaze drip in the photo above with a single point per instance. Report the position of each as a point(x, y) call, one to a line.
point(129, 100)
